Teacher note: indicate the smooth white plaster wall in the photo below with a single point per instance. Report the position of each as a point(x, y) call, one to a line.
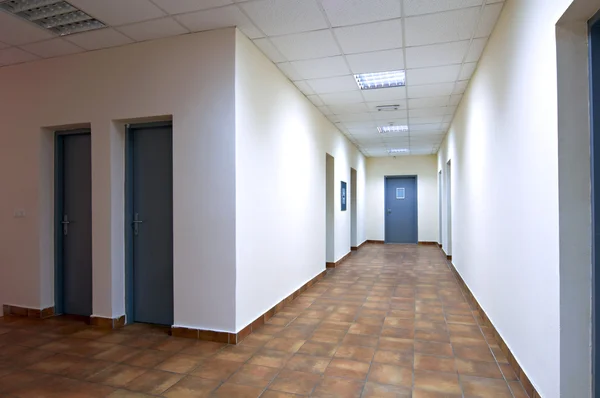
point(281, 142)
point(100, 88)
point(504, 151)
point(425, 168)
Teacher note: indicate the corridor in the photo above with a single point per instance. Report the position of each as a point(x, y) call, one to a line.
point(391, 321)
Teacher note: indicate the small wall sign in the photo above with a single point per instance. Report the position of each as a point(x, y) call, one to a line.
point(343, 196)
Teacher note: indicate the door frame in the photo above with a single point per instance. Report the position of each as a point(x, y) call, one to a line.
point(59, 185)
point(594, 59)
point(416, 207)
point(129, 129)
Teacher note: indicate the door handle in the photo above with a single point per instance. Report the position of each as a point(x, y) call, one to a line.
point(389, 211)
point(65, 223)
point(136, 221)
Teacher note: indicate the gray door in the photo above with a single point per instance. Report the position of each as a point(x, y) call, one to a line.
point(152, 224)
point(401, 210)
point(75, 224)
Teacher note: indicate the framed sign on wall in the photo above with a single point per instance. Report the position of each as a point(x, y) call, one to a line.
point(343, 196)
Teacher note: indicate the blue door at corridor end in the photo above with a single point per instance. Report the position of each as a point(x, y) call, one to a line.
point(401, 210)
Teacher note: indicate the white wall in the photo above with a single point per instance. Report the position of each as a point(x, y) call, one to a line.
point(424, 167)
point(281, 142)
point(505, 210)
point(100, 88)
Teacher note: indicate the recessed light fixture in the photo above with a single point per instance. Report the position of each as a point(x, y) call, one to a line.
point(370, 81)
point(57, 16)
point(392, 129)
point(387, 108)
point(398, 150)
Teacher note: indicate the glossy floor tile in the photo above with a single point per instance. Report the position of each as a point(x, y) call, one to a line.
point(391, 321)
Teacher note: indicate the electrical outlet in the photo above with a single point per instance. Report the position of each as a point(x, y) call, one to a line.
point(19, 213)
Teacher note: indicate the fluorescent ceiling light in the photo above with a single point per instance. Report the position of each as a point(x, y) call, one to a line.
point(392, 129)
point(370, 81)
point(57, 16)
point(398, 150)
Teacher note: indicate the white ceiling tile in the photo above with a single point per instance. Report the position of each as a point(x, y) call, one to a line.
point(15, 31)
point(333, 84)
point(181, 6)
point(269, 50)
point(315, 100)
point(450, 110)
point(281, 17)
point(441, 28)
point(352, 12)
point(318, 44)
point(304, 87)
point(436, 54)
point(467, 71)
point(476, 49)
point(425, 112)
point(216, 18)
point(426, 120)
point(354, 117)
point(390, 117)
point(416, 7)
point(14, 55)
point(155, 29)
point(438, 74)
point(378, 61)
point(52, 48)
point(446, 126)
point(430, 90)
point(461, 86)
point(322, 67)
point(289, 70)
point(490, 16)
point(101, 38)
point(447, 118)
point(119, 12)
point(424, 127)
point(349, 108)
point(349, 97)
point(325, 110)
point(384, 94)
point(370, 37)
point(428, 102)
point(455, 99)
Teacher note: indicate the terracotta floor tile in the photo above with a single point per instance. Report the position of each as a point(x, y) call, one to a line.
point(278, 394)
point(173, 344)
point(192, 387)
point(318, 349)
point(237, 353)
point(117, 375)
point(446, 383)
point(473, 352)
point(434, 348)
point(179, 363)
point(433, 394)
point(476, 387)
point(347, 368)
point(253, 375)
point(20, 379)
point(360, 340)
point(438, 336)
point(367, 330)
point(85, 368)
point(257, 340)
point(398, 358)
point(374, 390)
point(508, 371)
point(499, 355)
point(270, 358)
point(117, 338)
point(309, 364)
point(333, 387)
point(295, 382)
point(517, 389)
point(118, 353)
point(476, 368)
point(355, 353)
point(148, 358)
point(329, 336)
point(128, 394)
point(430, 326)
point(290, 345)
point(228, 390)
point(154, 382)
point(396, 344)
point(434, 364)
point(371, 321)
point(216, 369)
point(390, 374)
point(55, 364)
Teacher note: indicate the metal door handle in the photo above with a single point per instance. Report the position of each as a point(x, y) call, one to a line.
point(389, 211)
point(135, 223)
point(65, 223)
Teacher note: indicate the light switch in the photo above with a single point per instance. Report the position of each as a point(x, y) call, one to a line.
point(19, 213)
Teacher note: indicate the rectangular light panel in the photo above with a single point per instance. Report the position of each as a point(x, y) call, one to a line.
point(57, 16)
point(370, 81)
point(398, 150)
point(392, 129)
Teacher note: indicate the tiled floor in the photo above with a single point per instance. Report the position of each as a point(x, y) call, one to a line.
point(390, 322)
